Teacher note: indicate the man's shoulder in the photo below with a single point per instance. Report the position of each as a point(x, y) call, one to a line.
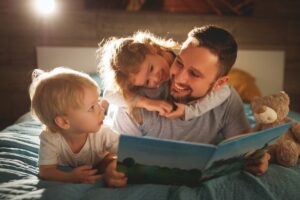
point(234, 97)
point(232, 102)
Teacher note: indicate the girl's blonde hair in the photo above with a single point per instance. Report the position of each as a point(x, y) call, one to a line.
point(119, 59)
point(53, 93)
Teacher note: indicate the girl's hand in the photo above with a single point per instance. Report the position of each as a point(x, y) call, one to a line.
point(179, 112)
point(160, 106)
point(85, 174)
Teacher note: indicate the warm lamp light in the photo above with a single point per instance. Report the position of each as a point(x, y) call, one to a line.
point(45, 6)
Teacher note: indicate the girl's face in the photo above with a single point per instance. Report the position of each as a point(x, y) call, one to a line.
point(153, 72)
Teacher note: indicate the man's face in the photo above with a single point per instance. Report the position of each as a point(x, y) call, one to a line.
point(193, 73)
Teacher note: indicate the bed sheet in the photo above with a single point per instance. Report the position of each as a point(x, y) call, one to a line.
point(19, 145)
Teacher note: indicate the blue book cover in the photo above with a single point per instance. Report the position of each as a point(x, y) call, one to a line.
point(161, 161)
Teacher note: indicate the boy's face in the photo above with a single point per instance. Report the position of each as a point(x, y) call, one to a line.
point(89, 117)
point(193, 73)
point(153, 72)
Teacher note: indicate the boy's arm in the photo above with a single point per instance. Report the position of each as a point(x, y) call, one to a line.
point(82, 174)
point(112, 177)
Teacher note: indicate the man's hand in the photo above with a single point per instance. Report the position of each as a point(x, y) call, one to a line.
point(112, 177)
point(179, 112)
point(85, 174)
point(258, 163)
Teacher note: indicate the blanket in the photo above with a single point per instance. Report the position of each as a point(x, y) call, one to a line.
point(19, 146)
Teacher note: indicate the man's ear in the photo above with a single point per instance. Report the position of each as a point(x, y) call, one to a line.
point(62, 122)
point(220, 83)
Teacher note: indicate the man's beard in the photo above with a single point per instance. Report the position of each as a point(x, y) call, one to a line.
point(187, 98)
point(184, 99)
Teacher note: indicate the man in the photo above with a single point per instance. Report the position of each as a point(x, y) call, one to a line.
point(201, 66)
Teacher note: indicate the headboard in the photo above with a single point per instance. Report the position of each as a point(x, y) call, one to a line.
point(266, 66)
point(78, 58)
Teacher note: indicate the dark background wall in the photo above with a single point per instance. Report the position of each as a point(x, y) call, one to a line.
point(274, 25)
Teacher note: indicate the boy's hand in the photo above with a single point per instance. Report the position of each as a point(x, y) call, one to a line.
point(179, 112)
point(258, 163)
point(112, 177)
point(85, 174)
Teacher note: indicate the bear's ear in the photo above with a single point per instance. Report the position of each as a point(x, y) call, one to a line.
point(255, 98)
point(285, 96)
point(283, 93)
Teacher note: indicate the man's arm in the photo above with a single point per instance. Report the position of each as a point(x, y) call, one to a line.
point(257, 165)
point(235, 120)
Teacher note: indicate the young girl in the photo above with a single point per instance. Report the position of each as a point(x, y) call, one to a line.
point(67, 103)
point(137, 69)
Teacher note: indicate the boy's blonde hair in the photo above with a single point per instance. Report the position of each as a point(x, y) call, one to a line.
point(119, 59)
point(53, 93)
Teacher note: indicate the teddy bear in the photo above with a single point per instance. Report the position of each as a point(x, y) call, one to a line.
point(270, 111)
point(244, 83)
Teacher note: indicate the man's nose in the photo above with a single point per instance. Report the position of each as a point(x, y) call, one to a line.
point(155, 80)
point(181, 76)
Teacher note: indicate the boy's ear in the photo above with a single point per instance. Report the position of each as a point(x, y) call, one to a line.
point(62, 122)
point(220, 82)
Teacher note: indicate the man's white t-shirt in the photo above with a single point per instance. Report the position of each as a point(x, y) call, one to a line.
point(54, 149)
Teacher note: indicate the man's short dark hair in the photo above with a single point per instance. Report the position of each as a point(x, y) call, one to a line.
point(220, 42)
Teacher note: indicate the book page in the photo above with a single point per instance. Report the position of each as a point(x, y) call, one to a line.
point(164, 153)
point(239, 146)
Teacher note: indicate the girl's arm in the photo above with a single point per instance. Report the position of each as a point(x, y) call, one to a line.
point(82, 174)
point(114, 97)
point(161, 106)
point(201, 106)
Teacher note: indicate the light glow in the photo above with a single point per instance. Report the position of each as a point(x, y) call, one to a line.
point(45, 6)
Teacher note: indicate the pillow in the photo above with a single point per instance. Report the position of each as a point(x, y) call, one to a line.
point(96, 78)
point(244, 84)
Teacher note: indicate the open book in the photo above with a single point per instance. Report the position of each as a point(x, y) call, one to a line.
point(153, 160)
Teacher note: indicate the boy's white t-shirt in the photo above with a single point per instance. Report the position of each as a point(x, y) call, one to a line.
point(54, 149)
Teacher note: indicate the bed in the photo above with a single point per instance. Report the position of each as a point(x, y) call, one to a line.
point(19, 144)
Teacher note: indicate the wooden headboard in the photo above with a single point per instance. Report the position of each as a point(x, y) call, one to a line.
point(78, 58)
point(265, 65)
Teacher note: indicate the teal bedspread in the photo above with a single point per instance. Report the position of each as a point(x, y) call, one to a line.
point(19, 145)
